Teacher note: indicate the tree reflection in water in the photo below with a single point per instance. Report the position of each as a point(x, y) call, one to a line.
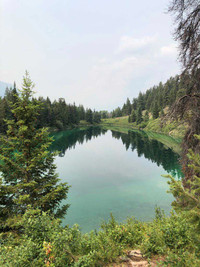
point(134, 140)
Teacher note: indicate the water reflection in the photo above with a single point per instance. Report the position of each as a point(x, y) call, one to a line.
point(151, 149)
point(69, 139)
point(135, 140)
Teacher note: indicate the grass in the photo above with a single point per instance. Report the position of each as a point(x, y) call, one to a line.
point(117, 121)
point(168, 141)
point(175, 129)
point(172, 128)
point(170, 133)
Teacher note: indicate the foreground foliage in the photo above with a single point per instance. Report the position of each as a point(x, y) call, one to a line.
point(28, 172)
point(45, 242)
point(187, 194)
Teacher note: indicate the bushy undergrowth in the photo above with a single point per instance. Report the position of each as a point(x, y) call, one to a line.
point(44, 242)
point(173, 128)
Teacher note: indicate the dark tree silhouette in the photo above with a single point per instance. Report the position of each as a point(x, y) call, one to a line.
point(187, 107)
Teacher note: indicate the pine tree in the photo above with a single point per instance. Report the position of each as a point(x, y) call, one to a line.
point(88, 116)
point(96, 117)
point(132, 117)
point(141, 101)
point(139, 115)
point(2, 116)
point(146, 116)
point(81, 112)
point(28, 175)
point(104, 114)
point(155, 111)
point(135, 103)
point(187, 198)
point(128, 107)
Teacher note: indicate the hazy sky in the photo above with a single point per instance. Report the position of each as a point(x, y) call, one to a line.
point(94, 52)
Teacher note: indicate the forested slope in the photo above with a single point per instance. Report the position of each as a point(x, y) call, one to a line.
point(155, 99)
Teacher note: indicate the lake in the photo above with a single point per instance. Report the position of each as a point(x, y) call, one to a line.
point(113, 172)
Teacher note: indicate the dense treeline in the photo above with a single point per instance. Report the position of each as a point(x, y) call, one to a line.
point(154, 100)
point(56, 114)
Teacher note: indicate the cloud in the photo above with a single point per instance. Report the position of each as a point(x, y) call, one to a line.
point(168, 50)
point(90, 57)
point(131, 44)
point(107, 82)
point(120, 75)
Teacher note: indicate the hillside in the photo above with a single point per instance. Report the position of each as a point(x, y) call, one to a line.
point(173, 128)
point(155, 99)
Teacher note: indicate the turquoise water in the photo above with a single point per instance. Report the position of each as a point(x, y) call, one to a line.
point(113, 172)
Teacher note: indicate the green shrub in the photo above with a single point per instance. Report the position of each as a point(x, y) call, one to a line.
point(164, 233)
point(180, 258)
point(154, 241)
point(177, 232)
point(143, 124)
point(89, 260)
point(44, 242)
point(26, 254)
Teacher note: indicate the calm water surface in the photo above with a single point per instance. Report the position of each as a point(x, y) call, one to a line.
point(113, 172)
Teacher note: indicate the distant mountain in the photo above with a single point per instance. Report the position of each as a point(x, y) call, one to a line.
point(3, 86)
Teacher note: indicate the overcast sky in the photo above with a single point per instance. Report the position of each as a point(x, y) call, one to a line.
point(94, 52)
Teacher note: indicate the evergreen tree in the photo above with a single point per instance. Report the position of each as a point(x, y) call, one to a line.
point(181, 92)
point(139, 116)
point(81, 112)
point(135, 103)
point(141, 101)
point(89, 116)
point(117, 113)
point(155, 111)
point(126, 110)
point(28, 175)
point(146, 116)
point(132, 117)
point(96, 117)
point(10, 98)
point(104, 114)
point(187, 196)
point(164, 94)
point(2, 116)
